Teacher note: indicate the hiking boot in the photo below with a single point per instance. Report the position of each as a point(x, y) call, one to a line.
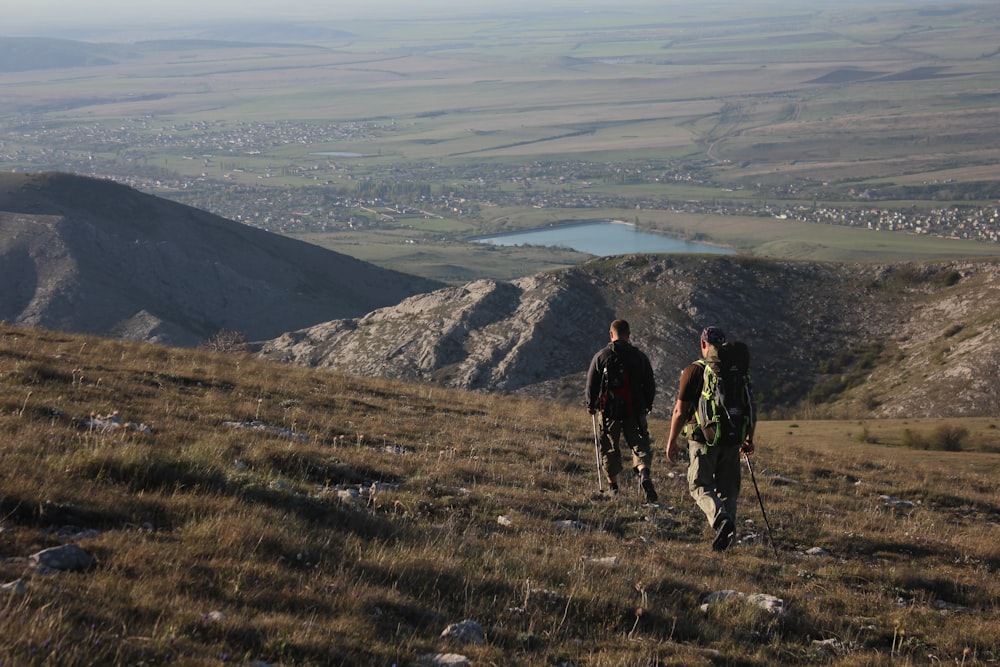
point(613, 488)
point(724, 535)
point(649, 490)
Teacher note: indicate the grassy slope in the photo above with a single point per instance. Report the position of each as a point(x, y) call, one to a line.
point(197, 517)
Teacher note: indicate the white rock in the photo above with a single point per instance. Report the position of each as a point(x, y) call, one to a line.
point(829, 647)
point(66, 557)
point(16, 587)
point(466, 632)
point(607, 561)
point(349, 497)
point(446, 660)
point(768, 603)
point(719, 596)
point(569, 524)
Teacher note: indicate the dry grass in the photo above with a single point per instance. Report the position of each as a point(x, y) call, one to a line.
point(219, 544)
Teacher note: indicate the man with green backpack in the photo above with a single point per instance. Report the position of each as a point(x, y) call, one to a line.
point(717, 414)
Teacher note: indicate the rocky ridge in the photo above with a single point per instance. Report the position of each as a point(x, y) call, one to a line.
point(859, 340)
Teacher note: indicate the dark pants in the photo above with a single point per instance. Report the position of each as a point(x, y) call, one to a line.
point(636, 434)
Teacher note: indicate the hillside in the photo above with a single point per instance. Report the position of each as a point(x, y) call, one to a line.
point(92, 256)
point(841, 339)
point(163, 506)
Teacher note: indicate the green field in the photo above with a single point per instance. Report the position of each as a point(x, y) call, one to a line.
point(857, 105)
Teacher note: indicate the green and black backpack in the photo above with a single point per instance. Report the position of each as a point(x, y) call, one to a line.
point(725, 409)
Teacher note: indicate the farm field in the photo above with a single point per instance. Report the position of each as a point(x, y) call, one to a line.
point(357, 129)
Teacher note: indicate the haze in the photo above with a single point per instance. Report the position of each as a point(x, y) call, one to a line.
point(71, 18)
point(23, 14)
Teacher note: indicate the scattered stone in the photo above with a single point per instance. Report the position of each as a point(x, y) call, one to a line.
point(111, 422)
point(466, 632)
point(569, 524)
point(349, 497)
point(665, 521)
point(505, 521)
point(445, 660)
point(255, 425)
point(829, 648)
point(769, 603)
point(817, 552)
point(16, 587)
point(281, 485)
point(719, 596)
point(781, 480)
point(897, 502)
point(75, 533)
point(750, 539)
point(944, 605)
point(216, 616)
point(68, 557)
point(607, 561)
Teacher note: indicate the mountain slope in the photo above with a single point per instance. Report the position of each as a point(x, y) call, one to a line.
point(859, 339)
point(92, 256)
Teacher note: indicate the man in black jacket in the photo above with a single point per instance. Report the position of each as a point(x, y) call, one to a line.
point(620, 384)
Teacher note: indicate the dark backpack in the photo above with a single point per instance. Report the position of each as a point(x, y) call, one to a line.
point(616, 387)
point(725, 409)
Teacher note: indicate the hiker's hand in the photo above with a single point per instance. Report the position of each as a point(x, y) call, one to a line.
point(672, 450)
point(747, 447)
point(592, 411)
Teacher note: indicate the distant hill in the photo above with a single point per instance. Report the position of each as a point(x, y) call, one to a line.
point(847, 340)
point(92, 256)
point(22, 54)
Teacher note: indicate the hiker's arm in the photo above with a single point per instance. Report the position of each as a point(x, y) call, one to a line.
point(748, 446)
point(682, 409)
point(592, 392)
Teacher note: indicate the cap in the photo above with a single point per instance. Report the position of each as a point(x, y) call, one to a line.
point(713, 336)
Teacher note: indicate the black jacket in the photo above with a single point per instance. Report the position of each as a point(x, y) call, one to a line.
point(640, 372)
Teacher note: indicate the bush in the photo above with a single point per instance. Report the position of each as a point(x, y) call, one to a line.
point(226, 341)
point(945, 438)
point(949, 438)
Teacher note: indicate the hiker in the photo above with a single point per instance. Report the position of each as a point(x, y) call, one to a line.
point(714, 459)
point(620, 384)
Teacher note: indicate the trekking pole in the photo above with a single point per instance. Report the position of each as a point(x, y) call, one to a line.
point(597, 452)
point(770, 535)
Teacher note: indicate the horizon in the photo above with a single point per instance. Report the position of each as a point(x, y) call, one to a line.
point(71, 19)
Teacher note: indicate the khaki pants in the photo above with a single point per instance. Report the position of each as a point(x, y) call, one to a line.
point(714, 479)
point(636, 434)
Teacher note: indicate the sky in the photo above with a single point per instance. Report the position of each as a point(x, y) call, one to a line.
point(19, 14)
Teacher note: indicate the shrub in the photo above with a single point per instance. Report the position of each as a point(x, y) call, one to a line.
point(946, 438)
point(949, 438)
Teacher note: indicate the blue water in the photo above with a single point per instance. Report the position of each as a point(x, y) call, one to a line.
point(601, 239)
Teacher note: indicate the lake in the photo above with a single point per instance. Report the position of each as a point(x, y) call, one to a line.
point(601, 239)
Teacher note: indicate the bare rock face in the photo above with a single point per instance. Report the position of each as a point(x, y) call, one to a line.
point(488, 335)
point(870, 340)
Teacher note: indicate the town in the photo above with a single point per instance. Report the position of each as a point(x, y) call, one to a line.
point(236, 177)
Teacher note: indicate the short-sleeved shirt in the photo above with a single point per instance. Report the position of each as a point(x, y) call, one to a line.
point(692, 378)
